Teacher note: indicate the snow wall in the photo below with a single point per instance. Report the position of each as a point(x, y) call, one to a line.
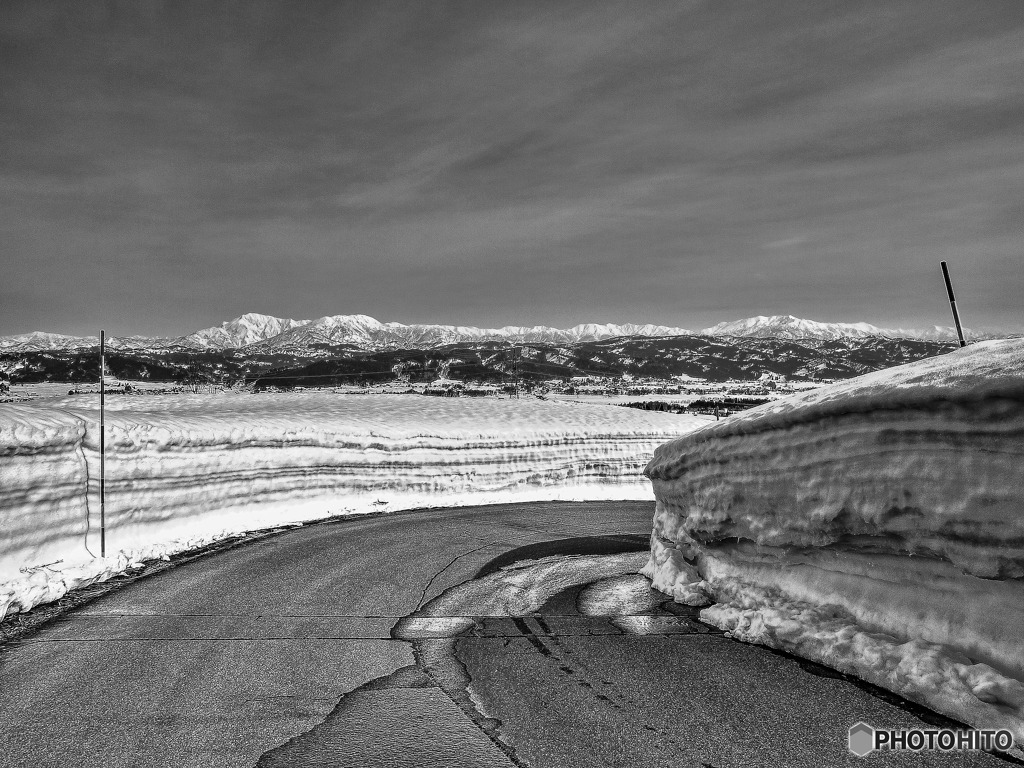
point(182, 471)
point(875, 526)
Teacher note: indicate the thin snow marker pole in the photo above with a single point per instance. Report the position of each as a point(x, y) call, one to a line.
point(103, 500)
point(519, 355)
point(952, 304)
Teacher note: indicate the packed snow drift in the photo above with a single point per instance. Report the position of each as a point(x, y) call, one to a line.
point(876, 526)
point(181, 471)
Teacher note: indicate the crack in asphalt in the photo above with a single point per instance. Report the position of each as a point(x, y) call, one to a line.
point(453, 680)
point(292, 696)
point(15, 627)
point(77, 616)
point(369, 616)
point(423, 594)
point(276, 638)
point(435, 666)
point(532, 637)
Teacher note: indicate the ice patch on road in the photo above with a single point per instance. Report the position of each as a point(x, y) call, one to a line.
point(517, 590)
point(619, 596)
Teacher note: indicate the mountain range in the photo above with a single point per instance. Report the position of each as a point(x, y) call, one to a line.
point(266, 335)
point(797, 329)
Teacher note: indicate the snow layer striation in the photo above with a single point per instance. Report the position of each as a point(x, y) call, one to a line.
point(876, 526)
point(183, 471)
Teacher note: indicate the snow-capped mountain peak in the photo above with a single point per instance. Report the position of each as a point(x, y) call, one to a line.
point(250, 328)
point(367, 332)
point(790, 327)
point(37, 340)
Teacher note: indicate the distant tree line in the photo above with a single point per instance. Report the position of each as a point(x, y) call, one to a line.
point(699, 406)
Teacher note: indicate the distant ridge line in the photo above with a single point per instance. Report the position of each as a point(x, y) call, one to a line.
point(257, 333)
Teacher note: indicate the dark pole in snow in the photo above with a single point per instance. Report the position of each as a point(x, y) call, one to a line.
point(519, 358)
point(515, 372)
point(952, 305)
point(103, 501)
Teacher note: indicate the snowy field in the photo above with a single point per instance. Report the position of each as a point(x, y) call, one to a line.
point(185, 470)
point(55, 389)
point(876, 526)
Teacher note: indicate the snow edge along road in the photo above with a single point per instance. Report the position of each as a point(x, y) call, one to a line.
point(188, 471)
point(874, 526)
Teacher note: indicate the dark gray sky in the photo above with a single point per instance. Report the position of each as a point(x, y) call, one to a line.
point(164, 167)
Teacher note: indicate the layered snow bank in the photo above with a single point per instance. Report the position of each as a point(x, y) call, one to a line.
point(876, 526)
point(182, 471)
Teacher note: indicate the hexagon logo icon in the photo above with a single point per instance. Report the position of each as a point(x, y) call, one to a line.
point(861, 739)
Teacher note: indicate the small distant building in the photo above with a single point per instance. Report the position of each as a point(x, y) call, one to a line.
point(771, 381)
point(445, 388)
point(481, 390)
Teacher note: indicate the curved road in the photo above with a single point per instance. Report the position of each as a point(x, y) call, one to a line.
point(281, 653)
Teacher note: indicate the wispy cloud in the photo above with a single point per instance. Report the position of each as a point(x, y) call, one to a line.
point(163, 165)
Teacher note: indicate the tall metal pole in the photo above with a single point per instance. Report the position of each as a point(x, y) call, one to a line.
point(952, 304)
point(103, 500)
point(515, 364)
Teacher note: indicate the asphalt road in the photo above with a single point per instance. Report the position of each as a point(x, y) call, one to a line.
point(280, 653)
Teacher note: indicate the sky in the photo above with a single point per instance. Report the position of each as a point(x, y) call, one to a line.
point(168, 166)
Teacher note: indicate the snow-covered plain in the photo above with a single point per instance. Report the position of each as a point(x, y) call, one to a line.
point(876, 526)
point(185, 470)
